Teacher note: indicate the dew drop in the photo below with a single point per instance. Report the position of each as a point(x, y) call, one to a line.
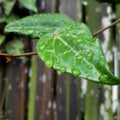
point(75, 72)
point(103, 78)
point(67, 35)
point(49, 63)
point(63, 69)
point(42, 47)
point(58, 61)
point(90, 67)
point(102, 57)
point(30, 31)
point(90, 55)
point(73, 65)
point(79, 57)
point(74, 36)
point(79, 41)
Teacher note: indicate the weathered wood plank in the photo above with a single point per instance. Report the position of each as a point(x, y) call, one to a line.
point(61, 97)
point(16, 76)
point(67, 85)
point(91, 100)
point(45, 78)
point(2, 84)
point(107, 44)
point(118, 56)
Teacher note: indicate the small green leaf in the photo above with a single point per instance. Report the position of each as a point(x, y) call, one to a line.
point(8, 5)
point(2, 38)
point(15, 47)
point(38, 25)
point(29, 4)
point(110, 1)
point(73, 50)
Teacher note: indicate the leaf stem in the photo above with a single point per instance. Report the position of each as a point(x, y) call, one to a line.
point(103, 29)
point(18, 55)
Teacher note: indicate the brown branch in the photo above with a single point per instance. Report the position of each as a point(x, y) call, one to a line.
point(18, 55)
point(103, 29)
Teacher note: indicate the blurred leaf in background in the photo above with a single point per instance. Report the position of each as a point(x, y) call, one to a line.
point(29, 4)
point(2, 38)
point(14, 47)
point(8, 5)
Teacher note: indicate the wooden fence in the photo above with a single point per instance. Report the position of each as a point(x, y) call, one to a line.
point(30, 91)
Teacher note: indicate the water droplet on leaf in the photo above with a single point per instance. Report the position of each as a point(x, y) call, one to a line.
point(103, 78)
point(79, 41)
point(90, 55)
point(79, 57)
point(102, 57)
point(74, 36)
point(90, 67)
point(49, 63)
point(30, 31)
point(75, 72)
point(42, 47)
point(73, 65)
point(63, 69)
point(58, 61)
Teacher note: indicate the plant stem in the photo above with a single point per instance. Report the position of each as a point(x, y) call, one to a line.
point(18, 55)
point(103, 29)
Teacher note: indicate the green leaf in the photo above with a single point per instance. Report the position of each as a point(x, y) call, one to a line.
point(8, 5)
point(2, 38)
point(0, 1)
point(110, 1)
point(38, 25)
point(73, 50)
point(14, 47)
point(29, 4)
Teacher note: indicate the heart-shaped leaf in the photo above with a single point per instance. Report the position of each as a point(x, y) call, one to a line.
point(39, 24)
point(110, 1)
point(73, 50)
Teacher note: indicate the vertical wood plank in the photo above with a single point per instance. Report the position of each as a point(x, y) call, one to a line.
point(69, 8)
point(91, 100)
point(51, 6)
point(107, 44)
point(79, 14)
point(73, 98)
point(118, 56)
point(45, 79)
point(32, 87)
point(2, 84)
point(61, 97)
point(46, 111)
point(67, 90)
point(45, 92)
point(16, 87)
